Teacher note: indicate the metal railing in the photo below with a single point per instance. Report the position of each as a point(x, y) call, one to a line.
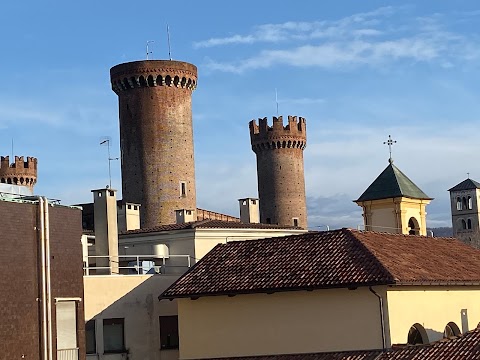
point(67, 354)
point(134, 264)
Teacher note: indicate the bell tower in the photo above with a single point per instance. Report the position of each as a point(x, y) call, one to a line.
point(393, 203)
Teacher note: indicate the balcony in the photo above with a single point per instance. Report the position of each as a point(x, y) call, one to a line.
point(136, 264)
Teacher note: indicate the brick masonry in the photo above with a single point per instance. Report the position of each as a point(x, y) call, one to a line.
point(156, 136)
point(20, 172)
point(281, 180)
point(20, 296)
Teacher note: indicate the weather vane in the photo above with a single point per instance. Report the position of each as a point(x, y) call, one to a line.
point(390, 143)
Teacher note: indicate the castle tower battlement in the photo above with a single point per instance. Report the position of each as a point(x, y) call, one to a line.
point(152, 73)
point(280, 172)
point(20, 172)
point(156, 137)
point(264, 137)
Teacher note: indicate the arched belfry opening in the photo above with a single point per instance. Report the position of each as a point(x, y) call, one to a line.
point(413, 226)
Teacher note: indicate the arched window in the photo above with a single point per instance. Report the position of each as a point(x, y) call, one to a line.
point(464, 203)
point(414, 227)
point(417, 335)
point(451, 330)
point(470, 203)
point(469, 223)
point(459, 203)
point(464, 224)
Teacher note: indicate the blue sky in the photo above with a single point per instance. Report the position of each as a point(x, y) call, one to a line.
point(356, 70)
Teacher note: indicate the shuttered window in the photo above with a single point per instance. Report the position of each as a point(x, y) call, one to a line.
point(66, 315)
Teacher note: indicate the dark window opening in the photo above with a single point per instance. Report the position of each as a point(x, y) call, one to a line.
point(113, 336)
point(91, 343)
point(295, 222)
point(269, 221)
point(169, 332)
point(183, 190)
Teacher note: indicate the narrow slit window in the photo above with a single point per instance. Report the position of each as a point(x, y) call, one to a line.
point(183, 189)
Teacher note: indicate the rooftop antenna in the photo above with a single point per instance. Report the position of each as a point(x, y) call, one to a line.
point(106, 142)
point(147, 50)
point(276, 99)
point(390, 143)
point(168, 40)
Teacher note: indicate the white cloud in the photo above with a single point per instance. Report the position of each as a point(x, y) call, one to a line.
point(357, 40)
point(291, 30)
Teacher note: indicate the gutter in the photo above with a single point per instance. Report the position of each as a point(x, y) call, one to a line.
point(382, 319)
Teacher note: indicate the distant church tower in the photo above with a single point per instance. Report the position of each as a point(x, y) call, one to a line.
point(20, 172)
point(464, 200)
point(156, 136)
point(394, 204)
point(281, 182)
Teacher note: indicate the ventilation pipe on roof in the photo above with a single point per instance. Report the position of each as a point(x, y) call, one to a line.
point(249, 210)
point(382, 319)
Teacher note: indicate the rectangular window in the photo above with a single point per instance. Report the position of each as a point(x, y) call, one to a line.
point(183, 189)
point(295, 222)
point(90, 337)
point(169, 332)
point(113, 335)
point(66, 314)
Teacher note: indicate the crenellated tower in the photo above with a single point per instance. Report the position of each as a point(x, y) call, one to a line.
point(156, 136)
point(281, 180)
point(20, 172)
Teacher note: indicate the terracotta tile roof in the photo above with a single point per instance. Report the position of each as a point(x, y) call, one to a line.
point(463, 347)
point(345, 355)
point(209, 224)
point(339, 258)
point(467, 184)
point(392, 183)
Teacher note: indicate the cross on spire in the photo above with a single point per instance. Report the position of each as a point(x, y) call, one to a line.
point(390, 143)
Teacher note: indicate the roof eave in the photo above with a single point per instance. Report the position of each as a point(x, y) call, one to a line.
point(231, 293)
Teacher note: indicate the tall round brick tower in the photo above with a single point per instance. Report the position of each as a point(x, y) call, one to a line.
point(20, 172)
point(156, 136)
point(281, 181)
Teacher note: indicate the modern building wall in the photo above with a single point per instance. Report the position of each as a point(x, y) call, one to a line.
point(20, 283)
point(279, 323)
point(433, 307)
point(132, 298)
point(195, 243)
point(156, 137)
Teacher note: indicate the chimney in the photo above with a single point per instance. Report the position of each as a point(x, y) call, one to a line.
point(128, 217)
point(184, 216)
point(249, 210)
point(106, 231)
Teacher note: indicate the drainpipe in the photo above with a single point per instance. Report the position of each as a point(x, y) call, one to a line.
point(382, 319)
point(43, 279)
point(49, 287)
